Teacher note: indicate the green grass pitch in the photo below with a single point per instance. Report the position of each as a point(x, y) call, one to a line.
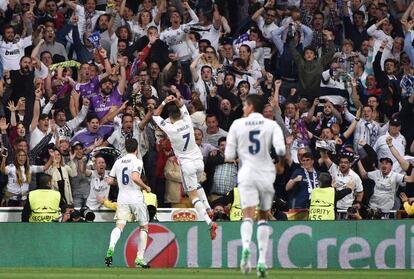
point(184, 273)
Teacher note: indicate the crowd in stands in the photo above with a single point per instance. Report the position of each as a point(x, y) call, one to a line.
point(78, 77)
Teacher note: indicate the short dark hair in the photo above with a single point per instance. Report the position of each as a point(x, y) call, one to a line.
point(91, 116)
point(221, 140)
point(152, 27)
point(211, 115)
point(390, 60)
point(205, 41)
point(243, 82)
point(45, 52)
point(173, 111)
point(104, 80)
point(345, 156)
point(255, 101)
point(44, 180)
point(359, 13)
point(206, 67)
point(311, 49)
point(131, 145)
point(126, 115)
point(325, 180)
point(307, 155)
point(230, 74)
point(58, 110)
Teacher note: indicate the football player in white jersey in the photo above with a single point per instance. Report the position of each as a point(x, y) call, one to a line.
point(179, 128)
point(127, 172)
point(251, 139)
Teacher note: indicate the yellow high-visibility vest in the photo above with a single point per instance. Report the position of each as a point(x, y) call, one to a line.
point(322, 205)
point(236, 213)
point(150, 199)
point(44, 205)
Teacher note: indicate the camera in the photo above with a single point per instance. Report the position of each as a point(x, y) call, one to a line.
point(87, 214)
point(352, 210)
point(82, 215)
point(220, 216)
point(291, 30)
point(371, 213)
point(75, 216)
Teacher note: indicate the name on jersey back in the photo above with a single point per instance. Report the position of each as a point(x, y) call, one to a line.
point(253, 123)
point(183, 128)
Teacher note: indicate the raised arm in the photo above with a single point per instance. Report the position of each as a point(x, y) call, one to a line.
point(348, 133)
point(362, 172)
point(122, 79)
point(193, 67)
point(194, 17)
point(216, 18)
point(325, 158)
point(36, 109)
point(403, 163)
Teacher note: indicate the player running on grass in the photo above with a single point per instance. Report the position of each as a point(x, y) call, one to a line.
point(179, 129)
point(127, 172)
point(251, 139)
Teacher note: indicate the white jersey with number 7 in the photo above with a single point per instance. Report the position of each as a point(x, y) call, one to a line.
point(181, 135)
point(251, 138)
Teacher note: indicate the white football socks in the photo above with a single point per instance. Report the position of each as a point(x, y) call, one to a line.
point(201, 209)
point(246, 231)
point(115, 234)
point(262, 239)
point(203, 198)
point(142, 243)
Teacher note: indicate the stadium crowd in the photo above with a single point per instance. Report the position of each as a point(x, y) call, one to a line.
point(80, 77)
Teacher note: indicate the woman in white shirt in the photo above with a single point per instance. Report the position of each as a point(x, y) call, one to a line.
point(253, 66)
point(19, 176)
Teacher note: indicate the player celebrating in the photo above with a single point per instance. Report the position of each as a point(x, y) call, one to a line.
point(251, 139)
point(127, 171)
point(179, 129)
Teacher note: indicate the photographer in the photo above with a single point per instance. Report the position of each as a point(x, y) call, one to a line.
point(70, 214)
point(43, 203)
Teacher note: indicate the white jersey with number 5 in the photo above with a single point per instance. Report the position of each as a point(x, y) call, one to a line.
point(251, 138)
point(129, 192)
point(181, 134)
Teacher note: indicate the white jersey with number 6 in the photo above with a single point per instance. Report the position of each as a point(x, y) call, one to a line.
point(181, 135)
point(129, 192)
point(251, 138)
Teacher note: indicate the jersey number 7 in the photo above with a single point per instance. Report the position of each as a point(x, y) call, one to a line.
point(187, 139)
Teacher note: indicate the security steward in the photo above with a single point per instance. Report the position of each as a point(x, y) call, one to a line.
point(43, 203)
point(324, 198)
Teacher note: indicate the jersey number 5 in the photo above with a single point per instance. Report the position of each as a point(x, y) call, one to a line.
point(253, 137)
point(187, 139)
point(125, 177)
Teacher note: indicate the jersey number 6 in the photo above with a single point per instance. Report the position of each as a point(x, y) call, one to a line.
point(125, 177)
